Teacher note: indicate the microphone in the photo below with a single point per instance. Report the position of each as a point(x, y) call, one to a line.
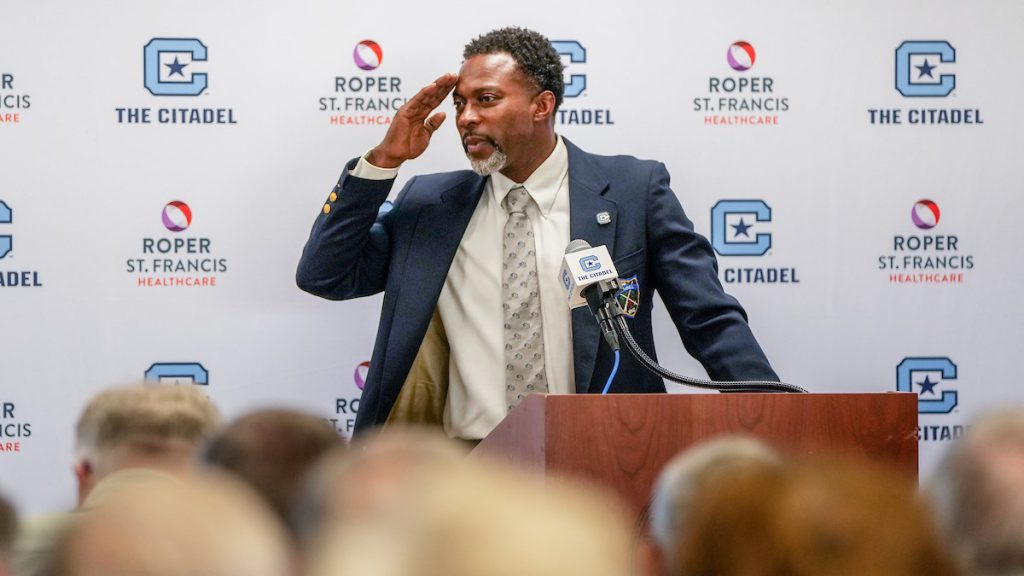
point(589, 277)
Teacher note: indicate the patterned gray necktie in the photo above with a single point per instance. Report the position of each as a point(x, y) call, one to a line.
point(524, 332)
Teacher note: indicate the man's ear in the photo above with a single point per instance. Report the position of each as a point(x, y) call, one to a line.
point(85, 474)
point(649, 559)
point(544, 106)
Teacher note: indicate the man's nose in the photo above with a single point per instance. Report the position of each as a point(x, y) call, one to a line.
point(468, 116)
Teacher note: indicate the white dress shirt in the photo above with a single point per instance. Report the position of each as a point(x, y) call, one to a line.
point(471, 299)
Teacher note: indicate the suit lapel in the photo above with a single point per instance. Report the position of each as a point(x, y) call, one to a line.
point(439, 230)
point(587, 186)
point(440, 224)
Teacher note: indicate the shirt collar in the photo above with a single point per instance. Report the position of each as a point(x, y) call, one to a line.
point(543, 184)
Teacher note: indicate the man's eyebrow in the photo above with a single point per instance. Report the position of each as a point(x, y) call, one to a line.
point(477, 90)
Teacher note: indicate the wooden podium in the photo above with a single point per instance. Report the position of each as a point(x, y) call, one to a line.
point(623, 440)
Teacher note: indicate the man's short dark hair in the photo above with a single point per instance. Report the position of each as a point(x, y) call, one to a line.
point(532, 51)
point(272, 450)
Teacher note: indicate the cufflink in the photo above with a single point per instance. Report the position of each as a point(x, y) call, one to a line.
point(604, 218)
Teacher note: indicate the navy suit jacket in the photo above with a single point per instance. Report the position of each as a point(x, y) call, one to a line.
point(362, 246)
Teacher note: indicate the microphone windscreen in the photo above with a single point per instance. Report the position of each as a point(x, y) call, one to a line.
point(576, 246)
point(583, 266)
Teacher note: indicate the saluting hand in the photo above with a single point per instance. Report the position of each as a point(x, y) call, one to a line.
point(413, 125)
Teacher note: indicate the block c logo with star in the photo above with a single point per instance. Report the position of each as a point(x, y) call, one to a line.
point(178, 373)
point(926, 373)
point(576, 83)
point(168, 67)
point(590, 263)
point(731, 221)
point(6, 217)
point(916, 63)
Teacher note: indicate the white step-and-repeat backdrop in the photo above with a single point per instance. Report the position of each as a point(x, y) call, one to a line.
point(856, 164)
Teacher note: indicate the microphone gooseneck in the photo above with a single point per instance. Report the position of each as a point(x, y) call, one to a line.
point(737, 386)
point(593, 281)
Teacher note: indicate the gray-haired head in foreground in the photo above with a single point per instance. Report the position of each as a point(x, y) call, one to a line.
point(978, 495)
point(691, 471)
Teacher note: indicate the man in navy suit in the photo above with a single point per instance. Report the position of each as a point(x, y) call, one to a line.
point(444, 346)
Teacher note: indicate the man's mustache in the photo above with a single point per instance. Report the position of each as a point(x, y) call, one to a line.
point(488, 140)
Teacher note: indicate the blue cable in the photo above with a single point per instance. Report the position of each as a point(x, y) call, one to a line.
point(615, 368)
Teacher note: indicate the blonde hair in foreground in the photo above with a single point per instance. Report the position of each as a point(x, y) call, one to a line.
point(204, 526)
point(143, 422)
point(479, 519)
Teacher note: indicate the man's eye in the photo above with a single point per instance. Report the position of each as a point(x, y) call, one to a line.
point(487, 98)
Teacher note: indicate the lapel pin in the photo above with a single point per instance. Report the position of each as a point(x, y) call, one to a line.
point(604, 218)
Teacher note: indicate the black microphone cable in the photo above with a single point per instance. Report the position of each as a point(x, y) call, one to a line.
point(615, 311)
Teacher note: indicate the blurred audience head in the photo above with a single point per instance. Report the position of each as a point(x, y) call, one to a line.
point(373, 475)
point(273, 451)
point(684, 477)
point(476, 518)
point(209, 526)
point(822, 520)
point(8, 531)
point(158, 427)
point(978, 492)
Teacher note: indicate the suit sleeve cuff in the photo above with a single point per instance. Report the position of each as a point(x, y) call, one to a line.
point(368, 171)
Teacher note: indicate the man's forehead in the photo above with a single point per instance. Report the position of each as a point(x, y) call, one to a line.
point(496, 70)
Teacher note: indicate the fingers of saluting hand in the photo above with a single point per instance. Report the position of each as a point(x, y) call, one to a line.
point(431, 96)
point(434, 122)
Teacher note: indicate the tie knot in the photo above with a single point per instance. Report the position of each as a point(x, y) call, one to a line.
point(516, 200)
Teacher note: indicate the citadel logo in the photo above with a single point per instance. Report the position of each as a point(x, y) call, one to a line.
point(736, 230)
point(577, 54)
point(915, 76)
point(936, 370)
point(174, 67)
point(6, 217)
point(570, 113)
point(925, 70)
point(923, 375)
point(735, 239)
point(178, 373)
point(13, 278)
point(589, 263)
point(164, 77)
